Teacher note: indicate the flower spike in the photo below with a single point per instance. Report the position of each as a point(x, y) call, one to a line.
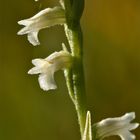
point(48, 66)
point(45, 18)
point(120, 126)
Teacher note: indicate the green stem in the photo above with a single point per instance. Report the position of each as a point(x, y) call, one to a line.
point(75, 78)
point(78, 78)
point(75, 40)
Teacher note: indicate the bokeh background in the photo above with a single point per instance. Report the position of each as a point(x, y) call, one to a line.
point(111, 61)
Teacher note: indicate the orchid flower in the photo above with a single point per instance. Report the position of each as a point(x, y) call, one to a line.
point(45, 18)
point(48, 66)
point(120, 126)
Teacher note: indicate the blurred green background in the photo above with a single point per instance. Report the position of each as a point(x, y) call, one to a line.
point(111, 61)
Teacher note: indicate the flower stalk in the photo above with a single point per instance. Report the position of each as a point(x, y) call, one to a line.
point(78, 78)
point(74, 36)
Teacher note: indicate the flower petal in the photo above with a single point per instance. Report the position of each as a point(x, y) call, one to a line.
point(23, 31)
point(128, 117)
point(38, 62)
point(127, 136)
point(133, 126)
point(25, 22)
point(33, 38)
point(35, 70)
point(46, 81)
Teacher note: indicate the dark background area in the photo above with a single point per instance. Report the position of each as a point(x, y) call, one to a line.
point(111, 61)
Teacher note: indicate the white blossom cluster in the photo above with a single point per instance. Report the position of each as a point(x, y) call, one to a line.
point(56, 61)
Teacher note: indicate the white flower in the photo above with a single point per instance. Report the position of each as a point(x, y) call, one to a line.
point(120, 126)
point(45, 18)
point(48, 66)
point(88, 131)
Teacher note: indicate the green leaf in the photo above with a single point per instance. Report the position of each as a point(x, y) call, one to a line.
point(87, 132)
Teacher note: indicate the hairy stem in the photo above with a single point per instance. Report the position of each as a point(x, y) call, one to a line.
point(75, 40)
point(75, 77)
